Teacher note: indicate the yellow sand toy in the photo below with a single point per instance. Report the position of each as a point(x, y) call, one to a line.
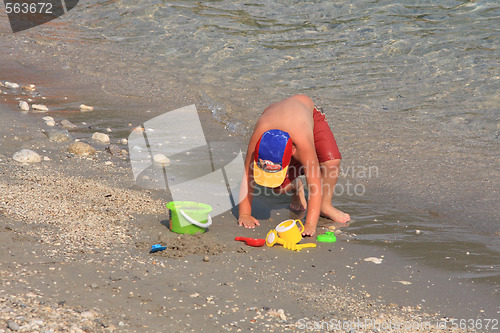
point(273, 238)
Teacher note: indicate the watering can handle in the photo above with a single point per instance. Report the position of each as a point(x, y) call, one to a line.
point(196, 223)
point(300, 222)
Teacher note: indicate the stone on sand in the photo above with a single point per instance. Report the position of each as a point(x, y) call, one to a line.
point(84, 108)
point(58, 135)
point(374, 260)
point(26, 156)
point(161, 159)
point(11, 85)
point(67, 124)
point(13, 326)
point(114, 150)
point(39, 108)
point(23, 105)
point(100, 137)
point(88, 315)
point(81, 149)
point(29, 87)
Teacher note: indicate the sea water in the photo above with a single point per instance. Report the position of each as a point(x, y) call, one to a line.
point(437, 59)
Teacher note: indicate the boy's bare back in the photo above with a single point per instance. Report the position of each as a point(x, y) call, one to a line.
point(293, 115)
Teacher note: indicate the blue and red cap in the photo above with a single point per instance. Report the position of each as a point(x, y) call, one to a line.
point(272, 156)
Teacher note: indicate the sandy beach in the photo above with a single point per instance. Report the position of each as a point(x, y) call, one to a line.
point(77, 230)
point(76, 234)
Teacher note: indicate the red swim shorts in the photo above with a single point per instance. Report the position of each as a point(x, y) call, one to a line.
point(324, 143)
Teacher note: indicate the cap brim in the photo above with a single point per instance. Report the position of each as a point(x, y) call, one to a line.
point(268, 179)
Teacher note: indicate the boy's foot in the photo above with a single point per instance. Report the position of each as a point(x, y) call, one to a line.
point(299, 202)
point(335, 214)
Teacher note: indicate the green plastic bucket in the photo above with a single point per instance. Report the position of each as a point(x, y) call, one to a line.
point(188, 217)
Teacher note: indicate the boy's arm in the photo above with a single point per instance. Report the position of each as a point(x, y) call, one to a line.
point(310, 163)
point(313, 177)
point(245, 217)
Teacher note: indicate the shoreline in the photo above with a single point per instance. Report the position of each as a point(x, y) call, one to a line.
point(419, 168)
point(103, 282)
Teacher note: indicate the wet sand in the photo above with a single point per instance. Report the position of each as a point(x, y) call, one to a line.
point(76, 234)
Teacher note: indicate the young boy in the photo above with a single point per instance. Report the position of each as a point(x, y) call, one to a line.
point(292, 138)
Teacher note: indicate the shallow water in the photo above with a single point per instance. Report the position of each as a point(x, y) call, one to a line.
point(420, 236)
point(431, 59)
point(415, 235)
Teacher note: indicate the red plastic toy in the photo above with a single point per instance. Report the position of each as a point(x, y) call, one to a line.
point(257, 242)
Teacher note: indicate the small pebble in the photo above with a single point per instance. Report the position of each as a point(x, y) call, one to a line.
point(11, 85)
point(23, 105)
point(114, 150)
point(161, 159)
point(58, 135)
point(51, 123)
point(36, 322)
point(374, 260)
point(281, 314)
point(87, 315)
point(67, 124)
point(81, 149)
point(206, 258)
point(13, 326)
point(85, 108)
point(29, 87)
point(404, 282)
point(100, 137)
point(26, 156)
point(39, 107)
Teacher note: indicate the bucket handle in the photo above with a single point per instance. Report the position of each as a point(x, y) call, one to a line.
point(196, 223)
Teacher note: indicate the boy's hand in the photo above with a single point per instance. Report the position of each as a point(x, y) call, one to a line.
point(248, 221)
point(309, 229)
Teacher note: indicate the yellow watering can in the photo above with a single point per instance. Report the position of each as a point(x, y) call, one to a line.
point(273, 238)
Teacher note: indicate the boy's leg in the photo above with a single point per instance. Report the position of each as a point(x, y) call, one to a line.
point(299, 201)
point(329, 175)
point(295, 189)
point(329, 160)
